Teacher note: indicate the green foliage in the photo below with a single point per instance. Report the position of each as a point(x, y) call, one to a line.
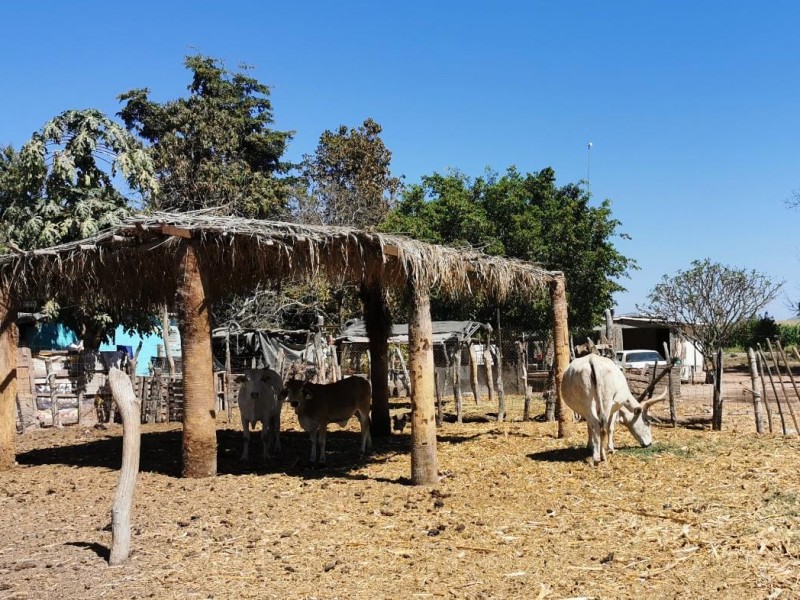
point(522, 216)
point(712, 301)
point(214, 148)
point(60, 186)
point(349, 178)
point(789, 334)
point(755, 331)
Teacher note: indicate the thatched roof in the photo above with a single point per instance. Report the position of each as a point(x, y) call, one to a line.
point(135, 266)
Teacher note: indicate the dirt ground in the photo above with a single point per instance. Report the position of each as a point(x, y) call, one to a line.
point(518, 514)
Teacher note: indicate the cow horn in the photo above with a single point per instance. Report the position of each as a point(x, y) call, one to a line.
point(651, 401)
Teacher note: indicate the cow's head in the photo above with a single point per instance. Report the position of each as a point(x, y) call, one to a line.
point(634, 417)
point(295, 391)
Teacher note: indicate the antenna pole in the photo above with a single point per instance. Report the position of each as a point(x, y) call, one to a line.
point(589, 168)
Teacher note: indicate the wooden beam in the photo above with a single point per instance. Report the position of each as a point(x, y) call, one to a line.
point(180, 232)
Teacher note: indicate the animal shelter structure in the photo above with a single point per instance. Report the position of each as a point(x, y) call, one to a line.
point(185, 261)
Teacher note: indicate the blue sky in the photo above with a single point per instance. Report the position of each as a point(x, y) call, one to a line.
point(691, 107)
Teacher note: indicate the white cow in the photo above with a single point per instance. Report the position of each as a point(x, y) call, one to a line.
point(318, 404)
point(260, 400)
point(596, 389)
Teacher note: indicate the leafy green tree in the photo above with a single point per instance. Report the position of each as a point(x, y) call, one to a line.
point(712, 301)
point(61, 186)
point(215, 147)
point(755, 331)
point(522, 216)
point(80, 173)
point(349, 178)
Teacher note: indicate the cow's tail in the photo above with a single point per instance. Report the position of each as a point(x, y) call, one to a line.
point(598, 404)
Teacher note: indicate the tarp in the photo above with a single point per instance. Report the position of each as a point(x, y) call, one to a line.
point(269, 344)
point(355, 331)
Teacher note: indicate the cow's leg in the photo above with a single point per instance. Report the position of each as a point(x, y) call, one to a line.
point(596, 439)
point(612, 422)
point(323, 434)
point(366, 437)
point(276, 423)
point(314, 445)
point(265, 438)
point(246, 433)
point(603, 442)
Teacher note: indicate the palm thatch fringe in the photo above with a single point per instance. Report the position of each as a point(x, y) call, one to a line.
point(134, 266)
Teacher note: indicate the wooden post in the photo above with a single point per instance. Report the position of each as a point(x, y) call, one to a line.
point(457, 383)
point(165, 336)
point(764, 391)
point(501, 392)
point(756, 382)
point(716, 416)
point(407, 380)
point(791, 375)
point(440, 385)
point(199, 397)
point(337, 370)
point(439, 408)
point(378, 322)
point(8, 379)
point(610, 338)
point(51, 383)
point(228, 377)
point(488, 363)
point(473, 372)
point(774, 389)
point(673, 414)
point(424, 469)
point(130, 409)
point(523, 361)
point(558, 299)
point(783, 385)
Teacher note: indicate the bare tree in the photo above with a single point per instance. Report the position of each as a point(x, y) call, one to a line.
point(711, 301)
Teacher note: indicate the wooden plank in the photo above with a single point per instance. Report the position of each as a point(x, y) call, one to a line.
point(181, 232)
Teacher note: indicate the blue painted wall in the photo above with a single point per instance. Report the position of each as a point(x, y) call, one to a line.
point(149, 347)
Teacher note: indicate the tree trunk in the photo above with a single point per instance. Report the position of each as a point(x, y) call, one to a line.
point(424, 469)
point(558, 299)
point(130, 408)
point(199, 397)
point(378, 322)
point(8, 380)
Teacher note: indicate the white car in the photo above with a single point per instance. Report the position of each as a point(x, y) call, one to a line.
point(638, 359)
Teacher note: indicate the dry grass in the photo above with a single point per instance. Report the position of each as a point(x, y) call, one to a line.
point(519, 513)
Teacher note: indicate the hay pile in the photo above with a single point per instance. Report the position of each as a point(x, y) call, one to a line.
point(519, 513)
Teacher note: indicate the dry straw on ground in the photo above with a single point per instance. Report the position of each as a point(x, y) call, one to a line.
point(518, 513)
